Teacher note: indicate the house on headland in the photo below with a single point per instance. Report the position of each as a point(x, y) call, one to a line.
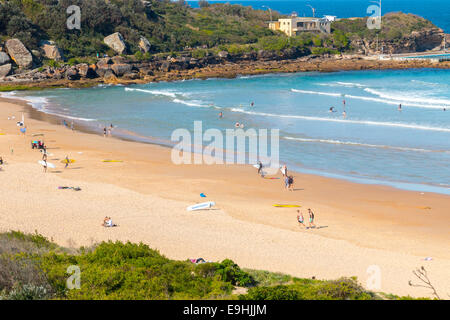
point(294, 25)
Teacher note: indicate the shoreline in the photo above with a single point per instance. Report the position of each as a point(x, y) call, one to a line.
point(230, 70)
point(361, 223)
point(128, 135)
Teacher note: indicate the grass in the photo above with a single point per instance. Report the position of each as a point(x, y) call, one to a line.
point(33, 267)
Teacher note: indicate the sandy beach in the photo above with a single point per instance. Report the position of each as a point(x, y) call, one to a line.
point(147, 195)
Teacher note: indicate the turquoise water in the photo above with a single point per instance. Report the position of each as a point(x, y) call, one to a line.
point(375, 143)
point(433, 56)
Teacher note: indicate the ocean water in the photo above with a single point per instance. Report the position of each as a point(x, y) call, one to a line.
point(437, 11)
point(374, 143)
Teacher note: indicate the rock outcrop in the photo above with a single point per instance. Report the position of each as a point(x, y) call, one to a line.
point(144, 45)
point(417, 41)
point(4, 58)
point(121, 69)
point(5, 70)
point(51, 50)
point(19, 53)
point(115, 41)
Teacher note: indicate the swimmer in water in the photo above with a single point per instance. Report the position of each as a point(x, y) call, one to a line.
point(252, 104)
point(237, 125)
point(332, 109)
point(400, 107)
point(220, 115)
point(344, 114)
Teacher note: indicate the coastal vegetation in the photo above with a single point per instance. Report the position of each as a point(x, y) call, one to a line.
point(32, 267)
point(174, 27)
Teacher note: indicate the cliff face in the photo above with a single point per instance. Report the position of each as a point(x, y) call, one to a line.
point(417, 41)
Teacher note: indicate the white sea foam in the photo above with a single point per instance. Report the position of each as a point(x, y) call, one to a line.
point(388, 99)
point(367, 145)
point(361, 122)
point(409, 97)
point(155, 92)
point(191, 103)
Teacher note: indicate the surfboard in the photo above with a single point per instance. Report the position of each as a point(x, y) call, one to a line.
point(201, 206)
point(272, 178)
point(49, 165)
point(112, 161)
point(65, 161)
point(286, 206)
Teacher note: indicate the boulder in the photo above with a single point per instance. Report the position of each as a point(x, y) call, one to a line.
point(104, 63)
point(121, 68)
point(19, 53)
point(222, 54)
point(144, 45)
point(4, 58)
point(115, 41)
point(5, 70)
point(72, 74)
point(86, 71)
point(119, 59)
point(51, 51)
point(102, 71)
point(165, 66)
point(109, 76)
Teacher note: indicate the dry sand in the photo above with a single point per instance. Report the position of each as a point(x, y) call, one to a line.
point(147, 196)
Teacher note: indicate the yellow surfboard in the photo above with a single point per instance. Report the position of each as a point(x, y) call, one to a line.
point(65, 161)
point(112, 160)
point(286, 206)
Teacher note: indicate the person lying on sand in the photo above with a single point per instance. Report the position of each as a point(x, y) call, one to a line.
point(1, 160)
point(107, 222)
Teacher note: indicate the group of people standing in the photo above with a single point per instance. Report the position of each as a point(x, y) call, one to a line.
point(301, 219)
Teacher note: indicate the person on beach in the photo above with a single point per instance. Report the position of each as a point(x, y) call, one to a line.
point(290, 183)
point(45, 165)
point(107, 222)
point(344, 114)
point(286, 182)
point(311, 218)
point(300, 218)
point(67, 162)
point(44, 156)
point(220, 115)
point(237, 125)
point(260, 166)
point(284, 170)
point(71, 125)
point(1, 161)
point(104, 132)
point(110, 129)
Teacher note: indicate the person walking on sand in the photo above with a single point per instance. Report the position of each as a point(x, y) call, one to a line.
point(45, 165)
point(311, 218)
point(286, 182)
point(300, 218)
point(290, 183)
point(44, 156)
point(260, 166)
point(67, 162)
point(104, 132)
point(71, 125)
point(284, 171)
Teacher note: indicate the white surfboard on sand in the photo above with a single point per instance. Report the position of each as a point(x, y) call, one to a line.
point(49, 165)
point(201, 206)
